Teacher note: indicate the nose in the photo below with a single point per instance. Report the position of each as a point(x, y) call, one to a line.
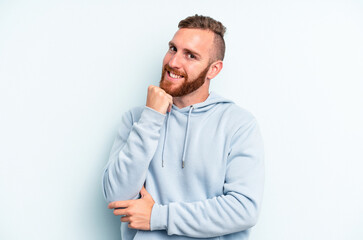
point(175, 61)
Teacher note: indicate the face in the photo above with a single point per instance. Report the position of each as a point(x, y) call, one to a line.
point(187, 62)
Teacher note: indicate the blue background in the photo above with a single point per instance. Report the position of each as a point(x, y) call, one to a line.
point(69, 69)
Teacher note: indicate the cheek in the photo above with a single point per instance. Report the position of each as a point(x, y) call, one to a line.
point(166, 58)
point(192, 71)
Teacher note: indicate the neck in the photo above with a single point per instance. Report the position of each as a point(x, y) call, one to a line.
point(198, 96)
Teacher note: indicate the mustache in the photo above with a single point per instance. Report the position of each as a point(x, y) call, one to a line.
point(170, 69)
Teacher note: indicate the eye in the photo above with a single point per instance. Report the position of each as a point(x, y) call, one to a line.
point(191, 56)
point(172, 49)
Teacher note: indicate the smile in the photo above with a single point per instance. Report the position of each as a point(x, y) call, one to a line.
point(173, 75)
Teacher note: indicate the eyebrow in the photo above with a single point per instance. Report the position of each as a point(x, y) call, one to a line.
point(186, 50)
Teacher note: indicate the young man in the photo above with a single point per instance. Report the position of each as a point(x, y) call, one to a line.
point(189, 164)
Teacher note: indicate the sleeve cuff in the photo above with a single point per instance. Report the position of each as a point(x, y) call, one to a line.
point(152, 117)
point(159, 217)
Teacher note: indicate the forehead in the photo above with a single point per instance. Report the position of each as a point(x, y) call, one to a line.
point(197, 40)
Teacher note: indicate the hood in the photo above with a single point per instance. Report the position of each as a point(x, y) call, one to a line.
point(199, 108)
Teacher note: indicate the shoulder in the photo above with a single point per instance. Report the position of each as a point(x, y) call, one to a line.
point(229, 109)
point(243, 123)
point(244, 127)
point(237, 116)
point(239, 113)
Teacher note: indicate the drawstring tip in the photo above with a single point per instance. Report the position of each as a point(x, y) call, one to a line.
point(183, 164)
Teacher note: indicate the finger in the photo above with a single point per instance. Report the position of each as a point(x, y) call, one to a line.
point(131, 226)
point(119, 204)
point(151, 87)
point(125, 219)
point(121, 211)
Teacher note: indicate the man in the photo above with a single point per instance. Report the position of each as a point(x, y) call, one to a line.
point(189, 164)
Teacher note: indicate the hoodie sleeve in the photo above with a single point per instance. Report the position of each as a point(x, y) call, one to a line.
point(131, 153)
point(234, 211)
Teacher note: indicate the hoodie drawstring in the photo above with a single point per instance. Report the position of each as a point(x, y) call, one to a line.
point(166, 134)
point(186, 136)
point(185, 140)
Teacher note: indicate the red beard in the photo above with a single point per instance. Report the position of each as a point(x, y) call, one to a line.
point(186, 87)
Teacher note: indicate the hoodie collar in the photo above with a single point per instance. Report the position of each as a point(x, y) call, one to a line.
point(212, 99)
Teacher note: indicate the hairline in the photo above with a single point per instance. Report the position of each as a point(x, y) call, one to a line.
point(215, 43)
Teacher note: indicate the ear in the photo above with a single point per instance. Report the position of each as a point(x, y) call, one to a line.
point(214, 69)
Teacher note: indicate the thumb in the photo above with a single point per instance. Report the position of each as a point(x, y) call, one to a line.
point(169, 108)
point(170, 102)
point(143, 192)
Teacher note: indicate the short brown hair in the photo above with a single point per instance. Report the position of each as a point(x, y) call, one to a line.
point(208, 23)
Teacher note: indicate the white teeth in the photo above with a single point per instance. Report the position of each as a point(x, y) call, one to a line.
point(174, 75)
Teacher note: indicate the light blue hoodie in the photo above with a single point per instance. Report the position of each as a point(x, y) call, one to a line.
point(202, 164)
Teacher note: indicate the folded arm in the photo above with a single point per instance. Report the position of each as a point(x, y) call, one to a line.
point(234, 211)
point(132, 151)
